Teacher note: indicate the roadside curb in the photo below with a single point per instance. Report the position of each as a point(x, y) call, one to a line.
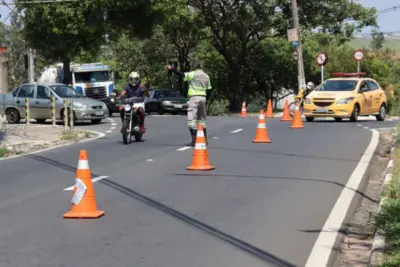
point(99, 135)
point(378, 244)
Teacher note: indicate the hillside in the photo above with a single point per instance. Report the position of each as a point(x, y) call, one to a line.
point(392, 43)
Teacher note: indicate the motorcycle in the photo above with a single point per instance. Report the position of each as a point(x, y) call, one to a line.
point(292, 106)
point(300, 99)
point(130, 126)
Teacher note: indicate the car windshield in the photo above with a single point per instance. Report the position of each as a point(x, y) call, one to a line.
point(338, 85)
point(92, 76)
point(65, 91)
point(170, 93)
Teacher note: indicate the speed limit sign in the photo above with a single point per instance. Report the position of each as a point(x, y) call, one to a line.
point(322, 59)
point(358, 55)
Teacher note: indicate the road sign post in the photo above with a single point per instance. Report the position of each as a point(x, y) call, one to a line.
point(358, 56)
point(322, 59)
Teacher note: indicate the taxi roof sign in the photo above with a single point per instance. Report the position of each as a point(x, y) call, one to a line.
point(348, 74)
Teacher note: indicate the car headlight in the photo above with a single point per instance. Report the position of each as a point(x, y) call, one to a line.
point(80, 106)
point(308, 101)
point(127, 107)
point(344, 101)
point(112, 100)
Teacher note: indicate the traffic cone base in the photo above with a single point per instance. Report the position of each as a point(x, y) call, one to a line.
point(94, 214)
point(84, 199)
point(261, 131)
point(200, 160)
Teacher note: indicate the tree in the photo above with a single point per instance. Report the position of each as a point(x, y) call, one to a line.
point(184, 28)
point(239, 26)
point(378, 40)
point(61, 31)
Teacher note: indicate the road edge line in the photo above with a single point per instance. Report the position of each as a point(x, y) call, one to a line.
point(100, 135)
point(322, 249)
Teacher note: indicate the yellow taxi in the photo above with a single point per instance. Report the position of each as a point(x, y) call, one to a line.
point(348, 95)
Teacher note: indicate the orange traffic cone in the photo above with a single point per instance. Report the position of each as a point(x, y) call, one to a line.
point(286, 112)
point(83, 200)
point(261, 131)
point(297, 121)
point(269, 113)
point(200, 160)
point(244, 111)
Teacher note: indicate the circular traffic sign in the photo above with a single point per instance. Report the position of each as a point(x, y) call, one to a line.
point(358, 55)
point(322, 59)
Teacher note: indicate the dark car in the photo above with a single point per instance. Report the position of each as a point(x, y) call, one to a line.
point(113, 104)
point(166, 100)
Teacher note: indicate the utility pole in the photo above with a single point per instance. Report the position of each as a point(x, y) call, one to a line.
point(31, 72)
point(300, 65)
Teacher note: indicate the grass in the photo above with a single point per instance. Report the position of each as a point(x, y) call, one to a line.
point(388, 220)
point(391, 43)
point(3, 152)
point(75, 136)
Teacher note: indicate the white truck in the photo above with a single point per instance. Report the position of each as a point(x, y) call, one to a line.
point(94, 80)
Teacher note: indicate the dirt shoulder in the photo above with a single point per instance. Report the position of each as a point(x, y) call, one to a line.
point(358, 233)
point(20, 138)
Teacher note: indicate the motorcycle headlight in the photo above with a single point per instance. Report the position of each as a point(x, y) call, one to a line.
point(308, 101)
point(344, 101)
point(112, 100)
point(127, 107)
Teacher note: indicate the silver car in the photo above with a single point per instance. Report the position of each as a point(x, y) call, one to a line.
point(39, 95)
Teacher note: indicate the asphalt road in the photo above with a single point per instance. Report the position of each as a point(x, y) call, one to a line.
point(263, 205)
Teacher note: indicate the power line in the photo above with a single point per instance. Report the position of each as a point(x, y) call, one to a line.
point(36, 2)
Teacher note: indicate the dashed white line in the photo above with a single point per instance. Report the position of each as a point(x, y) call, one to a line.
point(359, 125)
point(93, 180)
point(112, 128)
point(365, 127)
point(237, 130)
point(113, 124)
point(109, 131)
point(184, 148)
point(149, 160)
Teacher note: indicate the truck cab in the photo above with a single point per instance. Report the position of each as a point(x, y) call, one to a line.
point(94, 80)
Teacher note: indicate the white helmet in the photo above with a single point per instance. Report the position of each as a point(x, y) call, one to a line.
point(310, 86)
point(134, 75)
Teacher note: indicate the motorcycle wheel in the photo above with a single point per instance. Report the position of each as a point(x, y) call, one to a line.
point(126, 137)
point(292, 107)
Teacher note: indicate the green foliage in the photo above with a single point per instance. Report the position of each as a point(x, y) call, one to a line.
point(378, 40)
point(388, 220)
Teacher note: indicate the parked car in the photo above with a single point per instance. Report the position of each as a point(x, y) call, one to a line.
point(13, 104)
point(166, 100)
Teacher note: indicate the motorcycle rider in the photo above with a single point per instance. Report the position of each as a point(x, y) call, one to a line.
point(303, 93)
point(135, 89)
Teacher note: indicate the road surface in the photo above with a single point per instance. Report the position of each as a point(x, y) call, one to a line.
point(263, 205)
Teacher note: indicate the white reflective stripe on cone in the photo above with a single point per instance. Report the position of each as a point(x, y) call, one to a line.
point(200, 134)
point(261, 117)
point(83, 165)
point(261, 125)
point(201, 146)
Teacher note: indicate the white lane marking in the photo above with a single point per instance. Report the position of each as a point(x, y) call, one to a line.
point(215, 137)
point(365, 127)
point(386, 128)
point(113, 124)
point(109, 131)
point(322, 249)
point(150, 160)
point(359, 125)
point(237, 130)
point(184, 148)
point(112, 128)
point(93, 181)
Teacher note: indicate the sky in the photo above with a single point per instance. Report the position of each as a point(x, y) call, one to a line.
point(388, 22)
